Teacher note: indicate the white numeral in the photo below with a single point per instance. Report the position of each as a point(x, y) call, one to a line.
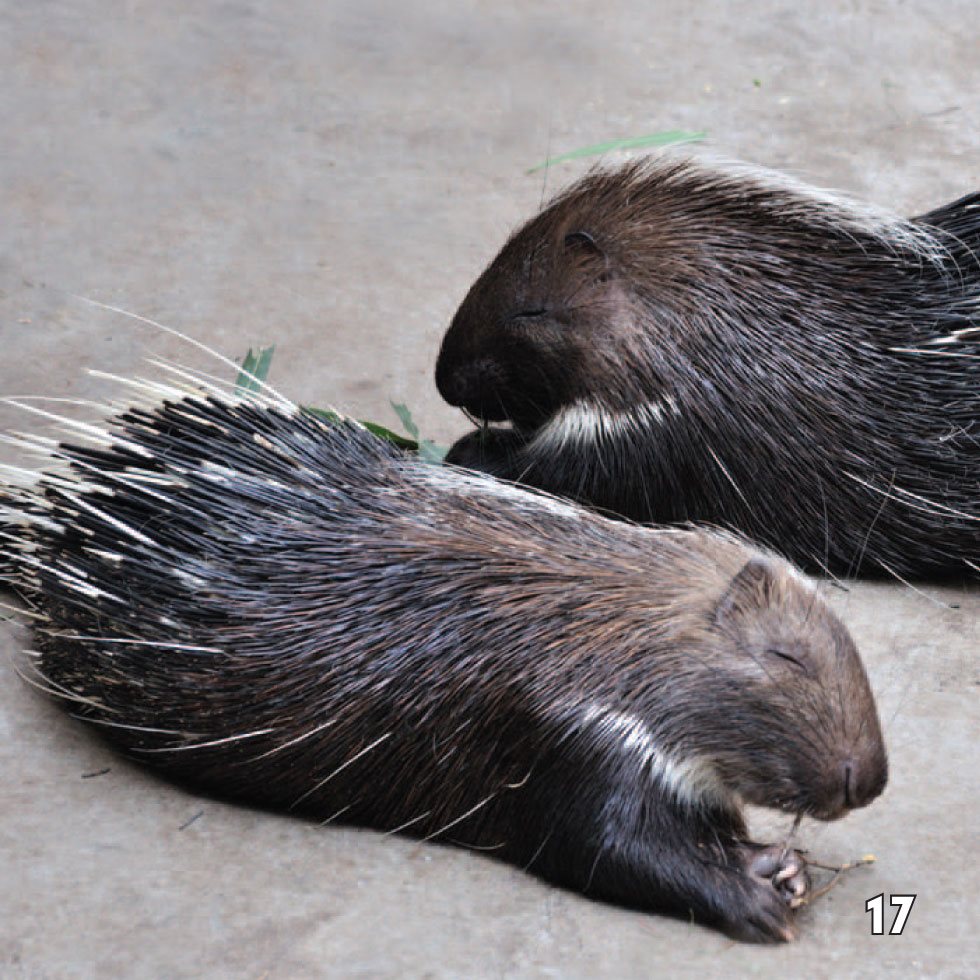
point(876, 906)
point(904, 903)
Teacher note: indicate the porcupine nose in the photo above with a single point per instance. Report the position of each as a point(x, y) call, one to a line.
point(473, 385)
point(861, 781)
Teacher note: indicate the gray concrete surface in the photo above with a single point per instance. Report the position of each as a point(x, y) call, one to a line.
point(330, 176)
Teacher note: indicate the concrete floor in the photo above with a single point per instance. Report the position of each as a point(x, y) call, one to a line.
point(330, 176)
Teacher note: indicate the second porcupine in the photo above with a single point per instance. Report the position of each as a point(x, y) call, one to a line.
point(295, 614)
point(674, 340)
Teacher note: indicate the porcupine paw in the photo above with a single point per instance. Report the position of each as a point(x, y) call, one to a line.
point(779, 884)
point(784, 868)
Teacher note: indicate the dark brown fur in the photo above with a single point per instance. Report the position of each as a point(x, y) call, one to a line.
point(674, 342)
point(295, 614)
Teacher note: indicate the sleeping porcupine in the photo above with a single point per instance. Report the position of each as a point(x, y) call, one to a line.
point(675, 342)
point(296, 614)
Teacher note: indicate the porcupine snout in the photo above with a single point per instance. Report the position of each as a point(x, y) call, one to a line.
point(857, 779)
point(862, 780)
point(473, 385)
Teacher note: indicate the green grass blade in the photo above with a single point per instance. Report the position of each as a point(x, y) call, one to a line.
point(265, 362)
point(665, 138)
point(255, 369)
point(244, 382)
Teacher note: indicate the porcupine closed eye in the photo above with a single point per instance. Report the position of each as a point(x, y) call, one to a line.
point(295, 614)
point(675, 340)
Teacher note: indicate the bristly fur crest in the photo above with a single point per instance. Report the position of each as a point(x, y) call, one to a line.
point(675, 341)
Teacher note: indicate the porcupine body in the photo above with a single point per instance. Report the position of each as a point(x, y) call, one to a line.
point(295, 614)
point(674, 341)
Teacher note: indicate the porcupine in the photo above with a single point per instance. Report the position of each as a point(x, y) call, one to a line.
point(293, 613)
point(675, 340)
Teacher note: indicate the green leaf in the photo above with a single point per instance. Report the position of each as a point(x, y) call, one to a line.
point(406, 419)
point(322, 413)
point(428, 451)
point(432, 453)
point(400, 441)
point(255, 369)
point(665, 138)
point(379, 430)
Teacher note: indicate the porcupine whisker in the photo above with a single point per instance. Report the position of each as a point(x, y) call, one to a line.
point(729, 477)
point(538, 850)
point(210, 744)
point(533, 402)
point(791, 833)
point(522, 783)
point(334, 816)
point(339, 769)
point(50, 688)
point(814, 596)
point(476, 847)
point(911, 587)
point(162, 644)
point(903, 697)
point(825, 564)
point(297, 740)
point(478, 423)
point(459, 819)
point(138, 728)
point(407, 824)
point(929, 505)
point(856, 563)
point(600, 851)
point(227, 361)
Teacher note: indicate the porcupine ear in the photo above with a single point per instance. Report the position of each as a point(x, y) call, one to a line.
point(751, 588)
point(582, 243)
